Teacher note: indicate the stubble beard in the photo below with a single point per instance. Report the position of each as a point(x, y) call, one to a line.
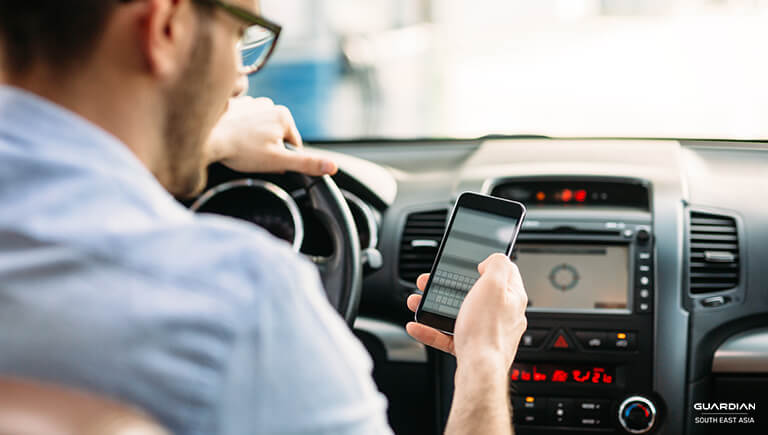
point(190, 104)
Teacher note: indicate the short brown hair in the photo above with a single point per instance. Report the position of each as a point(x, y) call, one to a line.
point(62, 32)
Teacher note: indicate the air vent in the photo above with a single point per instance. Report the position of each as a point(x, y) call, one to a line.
point(418, 246)
point(714, 260)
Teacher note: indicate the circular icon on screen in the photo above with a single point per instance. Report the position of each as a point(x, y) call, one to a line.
point(564, 277)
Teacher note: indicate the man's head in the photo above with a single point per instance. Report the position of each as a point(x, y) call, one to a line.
point(155, 73)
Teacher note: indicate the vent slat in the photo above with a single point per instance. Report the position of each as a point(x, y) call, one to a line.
point(711, 287)
point(702, 267)
point(712, 229)
point(428, 219)
point(699, 255)
point(716, 246)
point(715, 275)
point(425, 231)
point(714, 237)
point(711, 220)
point(709, 235)
point(428, 222)
point(414, 261)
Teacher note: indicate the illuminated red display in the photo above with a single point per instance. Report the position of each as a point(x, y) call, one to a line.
point(559, 376)
point(574, 193)
point(580, 195)
point(562, 374)
point(564, 196)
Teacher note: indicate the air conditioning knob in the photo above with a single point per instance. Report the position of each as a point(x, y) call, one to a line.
point(637, 414)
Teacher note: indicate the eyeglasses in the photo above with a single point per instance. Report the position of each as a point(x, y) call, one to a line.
point(259, 39)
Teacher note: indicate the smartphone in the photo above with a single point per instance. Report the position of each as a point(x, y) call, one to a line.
point(479, 226)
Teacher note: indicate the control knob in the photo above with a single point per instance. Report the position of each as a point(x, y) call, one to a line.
point(643, 235)
point(637, 414)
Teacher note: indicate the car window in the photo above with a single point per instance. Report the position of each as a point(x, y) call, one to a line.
point(451, 68)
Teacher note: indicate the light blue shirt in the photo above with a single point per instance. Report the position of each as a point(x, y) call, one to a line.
point(108, 284)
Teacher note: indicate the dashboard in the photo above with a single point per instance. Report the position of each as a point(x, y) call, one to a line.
point(643, 261)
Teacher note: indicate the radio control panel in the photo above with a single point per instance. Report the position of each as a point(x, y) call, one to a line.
point(588, 349)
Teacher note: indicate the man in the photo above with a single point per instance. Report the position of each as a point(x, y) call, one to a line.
point(107, 284)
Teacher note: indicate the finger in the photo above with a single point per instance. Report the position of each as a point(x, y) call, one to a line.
point(497, 262)
point(484, 264)
point(497, 268)
point(265, 101)
point(500, 270)
point(290, 131)
point(413, 302)
point(430, 336)
point(306, 164)
point(515, 279)
point(421, 281)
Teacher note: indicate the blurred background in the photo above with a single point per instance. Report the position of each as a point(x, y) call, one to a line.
point(351, 69)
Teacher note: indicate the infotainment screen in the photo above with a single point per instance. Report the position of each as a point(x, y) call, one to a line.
point(575, 277)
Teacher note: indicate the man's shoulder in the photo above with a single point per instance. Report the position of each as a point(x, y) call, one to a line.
point(172, 301)
point(217, 252)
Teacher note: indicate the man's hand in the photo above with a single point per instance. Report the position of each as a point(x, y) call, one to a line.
point(250, 138)
point(491, 319)
point(488, 328)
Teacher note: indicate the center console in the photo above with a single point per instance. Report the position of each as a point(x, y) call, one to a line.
point(586, 254)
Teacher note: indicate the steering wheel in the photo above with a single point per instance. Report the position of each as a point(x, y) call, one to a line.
point(342, 272)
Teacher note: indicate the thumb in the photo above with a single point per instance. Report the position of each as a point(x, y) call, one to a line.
point(498, 268)
point(307, 164)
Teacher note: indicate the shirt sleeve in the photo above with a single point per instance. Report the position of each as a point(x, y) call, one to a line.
point(296, 367)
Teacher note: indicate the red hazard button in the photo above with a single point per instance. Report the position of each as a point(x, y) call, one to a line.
point(561, 341)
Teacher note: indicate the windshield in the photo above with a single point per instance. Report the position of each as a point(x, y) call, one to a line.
point(351, 69)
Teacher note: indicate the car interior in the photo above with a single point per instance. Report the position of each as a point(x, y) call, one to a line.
point(635, 133)
point(661, 251)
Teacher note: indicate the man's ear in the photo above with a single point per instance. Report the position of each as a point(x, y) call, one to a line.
point(167, 36)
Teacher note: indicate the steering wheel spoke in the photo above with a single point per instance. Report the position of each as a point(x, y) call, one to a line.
point(342, 272)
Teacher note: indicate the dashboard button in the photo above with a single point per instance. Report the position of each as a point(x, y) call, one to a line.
point(530, 418)
point(591, 421)
point(530, 403)
point(529, 409)
point(561, 412)
point(561, 342)
point(622, 340)
point(591, 412)
point(533, 338)
point(591, 407)
point(592, 340)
